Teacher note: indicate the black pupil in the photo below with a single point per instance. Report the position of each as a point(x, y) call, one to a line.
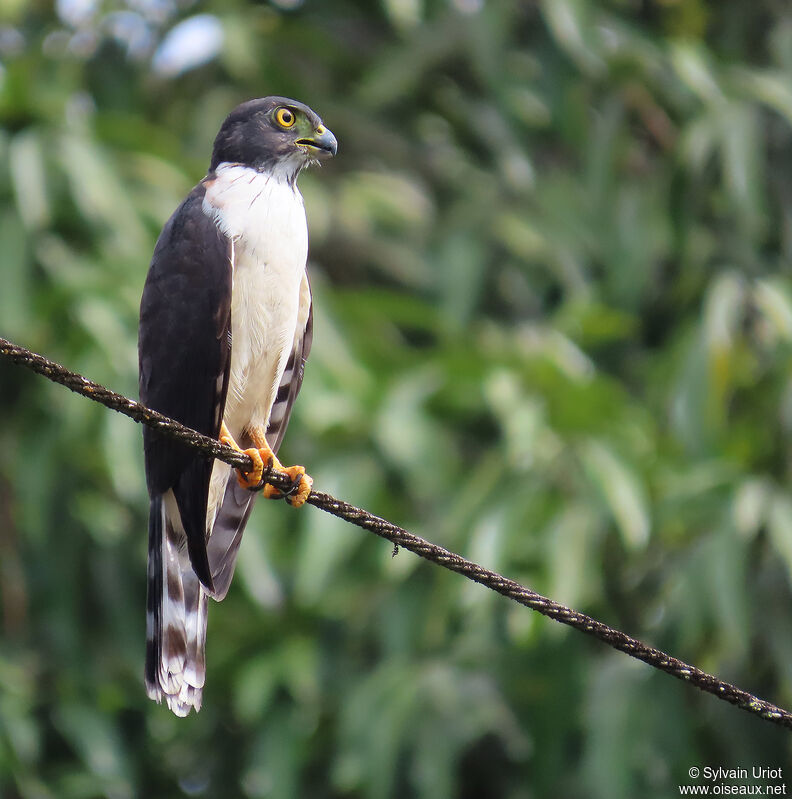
point(286, 117)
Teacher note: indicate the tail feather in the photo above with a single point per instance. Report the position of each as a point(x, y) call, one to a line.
point(177, 603)
point(229, 524)
point(153, 600)
point(176, 613)
point(197, 606)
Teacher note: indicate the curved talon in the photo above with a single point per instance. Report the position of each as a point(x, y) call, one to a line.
point(268, 491)
point(300, 489)
point(262, 483)
point(295, 484)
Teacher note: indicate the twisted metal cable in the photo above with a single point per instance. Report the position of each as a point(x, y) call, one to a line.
point(401, 538)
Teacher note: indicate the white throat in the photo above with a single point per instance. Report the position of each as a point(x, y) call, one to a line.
point(249, 204)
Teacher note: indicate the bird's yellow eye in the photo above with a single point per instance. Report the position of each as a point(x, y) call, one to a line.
point(285, 117)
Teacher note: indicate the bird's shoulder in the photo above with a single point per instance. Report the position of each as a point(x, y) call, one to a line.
point(189, 231)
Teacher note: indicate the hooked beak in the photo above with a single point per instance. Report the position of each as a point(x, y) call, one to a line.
point(322, 144)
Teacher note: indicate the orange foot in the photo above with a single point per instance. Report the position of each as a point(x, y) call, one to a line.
point(262, 454)
point(300, 487)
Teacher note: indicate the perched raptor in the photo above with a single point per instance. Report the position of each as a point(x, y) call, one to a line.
point(225, 328)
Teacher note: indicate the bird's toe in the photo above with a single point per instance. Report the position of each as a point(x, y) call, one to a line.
point(300, 487)
point(252, 479)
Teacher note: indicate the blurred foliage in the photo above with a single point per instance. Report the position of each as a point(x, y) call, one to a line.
point(553, 332)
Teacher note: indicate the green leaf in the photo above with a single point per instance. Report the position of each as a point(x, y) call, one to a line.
point(622, 489)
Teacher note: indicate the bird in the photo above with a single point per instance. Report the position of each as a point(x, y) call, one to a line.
point(226, 324)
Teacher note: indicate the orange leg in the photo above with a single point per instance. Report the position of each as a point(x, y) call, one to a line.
point(262, 454)
point(249, 479)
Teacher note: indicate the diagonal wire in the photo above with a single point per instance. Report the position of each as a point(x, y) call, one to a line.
point(401, 538)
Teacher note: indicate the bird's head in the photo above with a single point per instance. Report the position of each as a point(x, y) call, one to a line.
point(273, 134)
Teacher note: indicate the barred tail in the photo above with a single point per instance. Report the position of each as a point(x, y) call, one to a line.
point(176, 613)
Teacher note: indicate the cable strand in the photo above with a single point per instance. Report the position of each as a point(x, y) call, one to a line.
point(403, 539)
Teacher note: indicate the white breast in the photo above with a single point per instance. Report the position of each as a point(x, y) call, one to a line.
point(265, 219)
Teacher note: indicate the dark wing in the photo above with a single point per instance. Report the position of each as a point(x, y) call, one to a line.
point(184, 349)
point(238, 502)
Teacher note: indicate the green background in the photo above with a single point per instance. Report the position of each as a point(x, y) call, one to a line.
point(553, 332)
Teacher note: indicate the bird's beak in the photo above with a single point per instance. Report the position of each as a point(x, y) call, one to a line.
point(323, 144)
